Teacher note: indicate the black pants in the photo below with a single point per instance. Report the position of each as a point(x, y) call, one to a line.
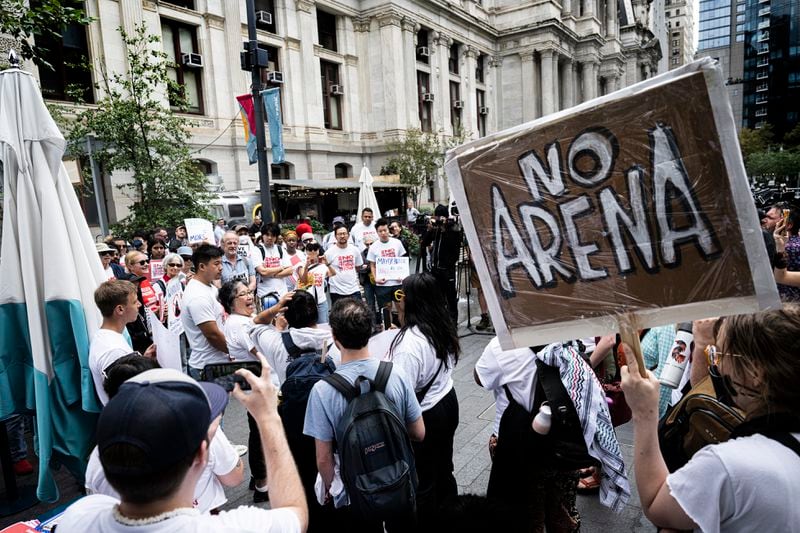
point(255, 456)
point(447, 280)
point(434, 458)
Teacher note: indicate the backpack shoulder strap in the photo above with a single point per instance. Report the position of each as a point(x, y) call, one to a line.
point(785, 438)
point(550, 379)
point(424, 390)
point(289, 344)
point(382, 377)
point(263, 251)
point(340, 384)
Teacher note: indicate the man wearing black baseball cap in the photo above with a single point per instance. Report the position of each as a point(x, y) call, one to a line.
point(153, 443)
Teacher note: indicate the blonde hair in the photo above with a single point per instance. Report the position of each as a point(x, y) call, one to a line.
point(130, 256)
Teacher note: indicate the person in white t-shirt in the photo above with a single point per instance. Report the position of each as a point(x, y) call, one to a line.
point(748, 483)
point(224, 468)
point(330, 238)
point(363, 228)
point(385, 246)
point(270, 268)
point(344, 258)
point(312, 278)
point(202, 313)
point(119, 306)
point(293, 259)
point(427, 348)
point(237, 300)
point(152, 439)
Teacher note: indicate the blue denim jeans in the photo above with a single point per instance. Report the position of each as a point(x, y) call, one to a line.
point(322, 313)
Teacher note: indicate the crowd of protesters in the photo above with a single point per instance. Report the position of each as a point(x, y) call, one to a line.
point(304, 307)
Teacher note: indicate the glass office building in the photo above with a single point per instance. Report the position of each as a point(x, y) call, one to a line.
point(772, 65)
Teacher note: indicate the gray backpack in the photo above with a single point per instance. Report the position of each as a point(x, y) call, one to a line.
point(376, 458)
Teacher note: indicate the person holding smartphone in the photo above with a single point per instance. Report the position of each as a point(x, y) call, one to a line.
point(238, 300)
point(312, 277)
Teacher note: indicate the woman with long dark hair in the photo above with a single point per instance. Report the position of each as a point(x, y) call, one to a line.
point(427, 349)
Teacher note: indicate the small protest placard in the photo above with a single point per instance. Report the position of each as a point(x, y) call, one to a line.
point(156, 270)
point(168, 348)
point(173, 300)
point(632, 205)
point(391, 268)
point(199, 230)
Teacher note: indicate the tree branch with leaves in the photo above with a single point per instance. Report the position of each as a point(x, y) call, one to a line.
point(419, 156)
point(138, 131)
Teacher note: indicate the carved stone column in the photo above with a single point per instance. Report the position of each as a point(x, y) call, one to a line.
point(441, 105)
point(611, 18)
point(529, 95)
point(548, 84)
point(569, 81)
point(392, 69)
point(469, 120)
point(410, 28)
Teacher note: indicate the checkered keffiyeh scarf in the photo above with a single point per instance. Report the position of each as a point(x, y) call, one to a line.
point(587, 395)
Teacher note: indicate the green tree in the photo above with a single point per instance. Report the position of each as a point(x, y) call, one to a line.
point(23, 22)
point(419, 156)
point(755, 140)
point(780, 163)
point(138, 132)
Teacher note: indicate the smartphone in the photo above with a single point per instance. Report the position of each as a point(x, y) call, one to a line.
point(387, 318)
point(224, 374)
point(786, 214)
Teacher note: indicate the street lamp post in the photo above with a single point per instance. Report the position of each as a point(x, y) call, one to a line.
point(254, 59)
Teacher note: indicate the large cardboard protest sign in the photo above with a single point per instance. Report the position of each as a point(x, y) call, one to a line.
point(635, 204)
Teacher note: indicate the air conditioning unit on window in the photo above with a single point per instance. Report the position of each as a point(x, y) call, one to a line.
point(337, 90)
point(483, 110)
point(275, 77)
point(192, 60)
point(423, 51)
point(263, 17)
point(458, 104)
point(427, 97)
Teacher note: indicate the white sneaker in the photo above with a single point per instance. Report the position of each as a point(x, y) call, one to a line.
point(241, 449)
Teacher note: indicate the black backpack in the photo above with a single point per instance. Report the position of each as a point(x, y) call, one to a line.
point(303, 372)
point(521, 452)
point(376, 458)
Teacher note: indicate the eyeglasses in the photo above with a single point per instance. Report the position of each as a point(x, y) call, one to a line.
point(713, 355)
point(176, 265)
point(399, 295)
point(244, 294)
point(143, 262)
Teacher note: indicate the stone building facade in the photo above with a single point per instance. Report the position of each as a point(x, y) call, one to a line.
point(356, 74)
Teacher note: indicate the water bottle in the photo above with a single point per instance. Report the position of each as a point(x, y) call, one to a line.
point(678, 358)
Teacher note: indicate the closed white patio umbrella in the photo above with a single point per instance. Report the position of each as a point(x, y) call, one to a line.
point(366, 194)
point(49, 269)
